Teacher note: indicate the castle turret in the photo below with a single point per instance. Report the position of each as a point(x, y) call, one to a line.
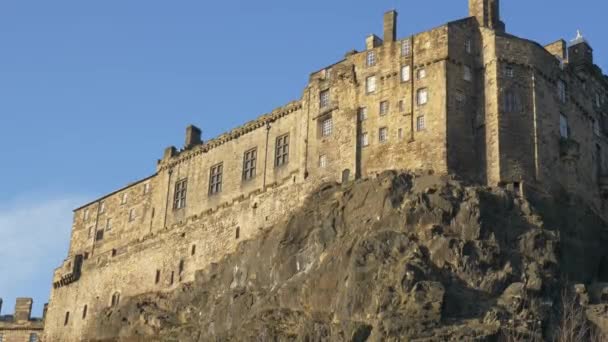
point(580, 53)
point(487, 13)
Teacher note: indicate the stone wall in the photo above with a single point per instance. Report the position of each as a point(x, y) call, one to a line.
point(20, 327)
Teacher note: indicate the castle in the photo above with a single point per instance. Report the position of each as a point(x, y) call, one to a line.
point(464, 98)
point(21, 327)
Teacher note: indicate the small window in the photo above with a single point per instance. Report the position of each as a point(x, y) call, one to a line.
point(400, 134)
point(596, 128)
point(468, 74)
point(215, 179)
point(193, 250)
point(249, 163)
point(282, 150)
point(598, 100)
point(370, 84)
point(405, 73)
point(99, 235)
point(179, 198)
point(364, 139)
point(67, 318)
point(114, 252)
point(468, 46)
point(371, 58)
point(237, 234)
point(85, 216)
point(324, 99)
point(383, 134)
point(561, 91)
point(362, 114)
point(421, 73)
point(323, 161)
point(172, 279)
point(115, 299)
point(420, 123)
point(509, 72)
point(124, 197)
point(401, 106)
point(564, 129)
point(33, 338)
point(157, 277)
point(327, 126)
point(146, 188)
point(84, 312)
point(405, 47)
point(102, 207)
point(132, 215)
point(109, 224)
point(384, 108)
point(422, 96)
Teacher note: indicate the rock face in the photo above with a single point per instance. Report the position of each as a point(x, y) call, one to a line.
point(394, 258)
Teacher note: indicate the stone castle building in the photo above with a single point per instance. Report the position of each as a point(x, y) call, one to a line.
point(20, 327)
point(464, 98)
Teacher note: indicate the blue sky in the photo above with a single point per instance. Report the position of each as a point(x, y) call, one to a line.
point(92, 91)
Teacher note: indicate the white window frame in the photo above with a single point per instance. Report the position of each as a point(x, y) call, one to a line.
point(420, 123)
point(405, 73)
point(383, 134)
point(324, 98)
point(421, 73)
point(422, 96)
point(384, 108)
point(468, 46)
point(327, 126)
point(132, 215)
point(370, 84)
point(364, 139)
point(406, 48)
point(123, 199)
point(323, 161)
point(371, 58)
point(509, 71)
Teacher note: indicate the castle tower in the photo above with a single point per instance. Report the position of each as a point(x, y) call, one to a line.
point(487, 13)
point(580, 53)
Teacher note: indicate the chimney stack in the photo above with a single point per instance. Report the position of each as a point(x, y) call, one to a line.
point(23, 309)
point(390, 26)
point(487, 13)
point(0, 307)
point(193, 136)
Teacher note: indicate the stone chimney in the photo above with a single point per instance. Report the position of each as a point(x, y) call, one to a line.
point(390, 26)
point(23, 309)
point(487, 13)
point(193, 136)
point(372, 41)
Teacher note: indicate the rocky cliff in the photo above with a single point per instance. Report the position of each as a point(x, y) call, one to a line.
point(398, 257)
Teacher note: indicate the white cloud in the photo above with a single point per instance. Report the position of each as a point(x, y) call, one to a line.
point(34, 238)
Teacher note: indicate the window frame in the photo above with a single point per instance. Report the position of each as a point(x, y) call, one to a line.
point(562, 91)
point(468, 46)
point(406, 73)
point(467, 73)
point(180, 194)
point(323, 161)
point(370, 59)
point(324, 98)
point(421, 101)
point(406, 48)
point(250, 160)
point(326, 125)
point(364, 139)
point(420, 123)
point(362, 113)
point(564, 126)
point(383, 134)
point(216, 178)
point(421, 73)
point(281, 150)
point(371, 87)
point(384, 108)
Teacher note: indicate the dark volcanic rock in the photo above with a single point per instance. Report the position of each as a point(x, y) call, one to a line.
point(395, 258)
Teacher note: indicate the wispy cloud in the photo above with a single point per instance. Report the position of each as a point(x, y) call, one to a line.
point(34, 237)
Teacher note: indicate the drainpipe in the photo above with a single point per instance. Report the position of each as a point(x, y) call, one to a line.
point(413, 96)
point(534, 110)
point(268, 127)
point(167, 198)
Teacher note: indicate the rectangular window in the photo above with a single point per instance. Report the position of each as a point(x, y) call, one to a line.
point(132, 215)
point(598, 100)
point(102, 207)
point(400, 134)
point(383, 134)
point(146, 188)
point(123, 199)
point(370, 84)
point(67, 318)
point(249, 163)
point(157, 278)
point(327, 126)
point(324, 99)
point(509, 72)
point(405, 48)
point(34, 337)
point(84, 312)
point(364, 139)
point(282, 150)
point(99, 235)
point(109, 224)
point(468, 74)
point(564, 129)
point(405, 73)
point(420, 124)
point(422, 96)
point(215, 179)
point(362, 113)
point(421, 73)
point(179, 197)
point(323, 161)
point(401, 106)
point(384, 107)
point(85, 217)
point(468, 46)
point(561, 91)
point(371, 58)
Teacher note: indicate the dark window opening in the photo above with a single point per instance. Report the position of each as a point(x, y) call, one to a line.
point(215, 179)
point(99, 235)
point(115, 299)
point(249, 164)
point(172, 278)
point(157, 279)
point(84, 312)
point(113, 252)
point(179, 198)
point(193, 250)
point(67, 318)
point(282, 150)
point(238, 232)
